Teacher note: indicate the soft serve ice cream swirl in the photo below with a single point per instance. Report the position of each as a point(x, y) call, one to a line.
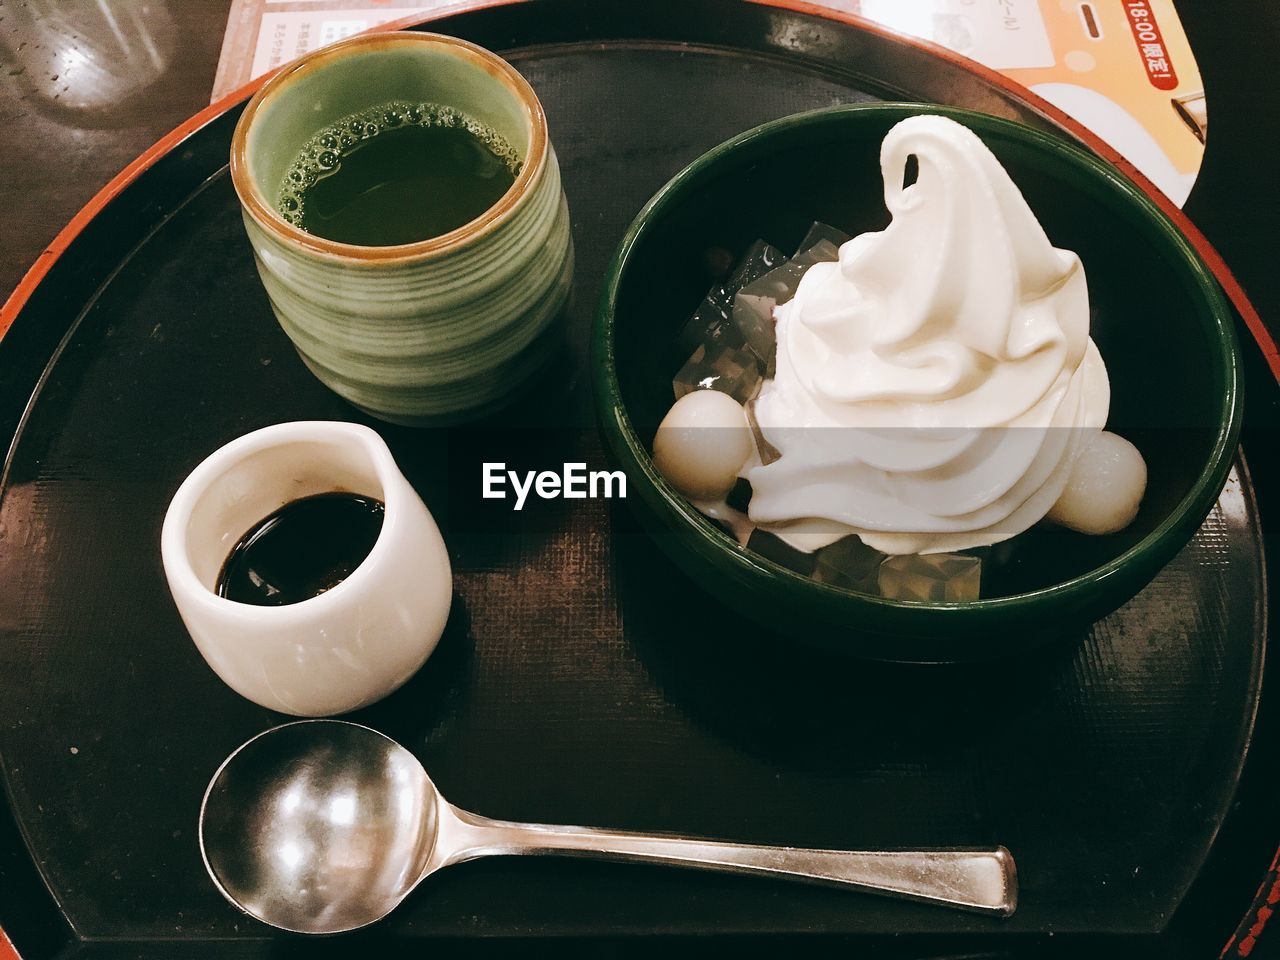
point(935, 385)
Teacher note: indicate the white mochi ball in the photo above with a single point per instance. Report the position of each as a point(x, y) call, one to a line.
point(1105, 487)
point(702, 444)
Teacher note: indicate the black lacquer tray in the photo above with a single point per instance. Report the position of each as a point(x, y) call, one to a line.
point(581, 680)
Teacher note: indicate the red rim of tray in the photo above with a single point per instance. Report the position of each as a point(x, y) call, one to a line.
point(1245, 937)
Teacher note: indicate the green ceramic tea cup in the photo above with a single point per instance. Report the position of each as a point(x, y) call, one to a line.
point(433, 331)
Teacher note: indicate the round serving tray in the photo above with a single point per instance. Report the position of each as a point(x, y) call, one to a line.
point(581, 680)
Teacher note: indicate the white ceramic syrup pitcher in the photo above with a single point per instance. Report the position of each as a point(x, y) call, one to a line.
point(346, 647)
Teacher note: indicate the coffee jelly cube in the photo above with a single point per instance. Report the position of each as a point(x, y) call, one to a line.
point(753, 319)
point(823, 232)
point(710, 321)
point(934, 577)
point(731, 370)
point(849, 563)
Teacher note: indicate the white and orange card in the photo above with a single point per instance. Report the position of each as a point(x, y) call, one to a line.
point(1123, 68)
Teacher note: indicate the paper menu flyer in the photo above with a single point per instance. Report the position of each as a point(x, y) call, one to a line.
point(1123, 68)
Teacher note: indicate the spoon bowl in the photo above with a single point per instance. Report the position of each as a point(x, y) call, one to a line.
point(325, 826)
point(318, 826)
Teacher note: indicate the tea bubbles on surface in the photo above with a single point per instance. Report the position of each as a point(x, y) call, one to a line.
point(395, 174)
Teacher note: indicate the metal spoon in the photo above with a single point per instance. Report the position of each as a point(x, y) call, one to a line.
point(324, 826)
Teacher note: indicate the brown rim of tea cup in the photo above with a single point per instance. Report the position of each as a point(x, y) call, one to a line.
point(265, 213)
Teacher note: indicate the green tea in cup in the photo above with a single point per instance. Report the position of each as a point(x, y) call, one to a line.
point(397, 173)
point(404, 206)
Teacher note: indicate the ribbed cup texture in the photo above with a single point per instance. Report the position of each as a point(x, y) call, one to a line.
point(433, 339)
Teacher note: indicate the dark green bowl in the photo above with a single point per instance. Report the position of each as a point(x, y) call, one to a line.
point(1158, 317)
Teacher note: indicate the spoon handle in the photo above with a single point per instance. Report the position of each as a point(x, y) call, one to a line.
point(983, 880)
